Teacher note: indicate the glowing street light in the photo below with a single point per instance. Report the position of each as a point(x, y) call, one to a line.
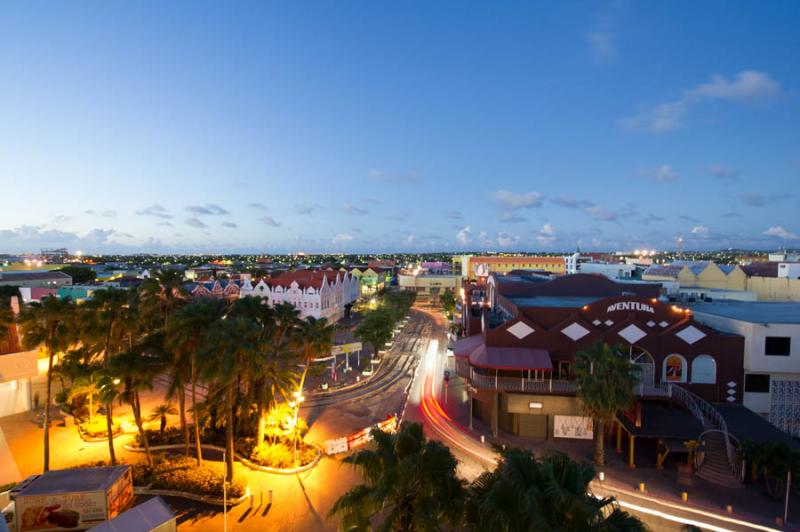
point(298, 398)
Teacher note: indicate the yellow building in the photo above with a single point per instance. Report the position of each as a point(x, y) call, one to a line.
point(472, 266)
point(707, 274)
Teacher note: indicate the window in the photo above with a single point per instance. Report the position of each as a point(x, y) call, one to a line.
point(704, 370)
point(675, 369)
point(778, 346)
point(754, 383)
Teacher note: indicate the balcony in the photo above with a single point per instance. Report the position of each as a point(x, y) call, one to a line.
point(555, 386)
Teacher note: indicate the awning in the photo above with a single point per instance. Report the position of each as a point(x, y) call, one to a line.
point(465, 346)
point(515, 358)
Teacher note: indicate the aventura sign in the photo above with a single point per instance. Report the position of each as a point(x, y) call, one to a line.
point(630, 305)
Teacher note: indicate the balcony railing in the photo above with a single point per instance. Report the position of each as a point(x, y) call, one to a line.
point(558, 386)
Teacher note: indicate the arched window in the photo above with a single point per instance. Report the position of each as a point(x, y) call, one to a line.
point(704, 370)
point(674, 369)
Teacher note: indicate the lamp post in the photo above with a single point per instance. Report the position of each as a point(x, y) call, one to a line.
point(298, 398)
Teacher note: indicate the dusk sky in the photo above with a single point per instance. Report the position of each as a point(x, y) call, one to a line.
point(398, 126)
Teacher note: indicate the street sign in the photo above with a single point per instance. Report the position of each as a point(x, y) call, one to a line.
point(346, 348)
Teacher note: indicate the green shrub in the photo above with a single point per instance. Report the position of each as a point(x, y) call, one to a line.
point(97, 428)
point(181, 473)
point(281, 455)
point(172, 436)
point(6, 487)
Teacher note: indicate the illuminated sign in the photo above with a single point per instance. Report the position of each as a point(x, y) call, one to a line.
point(630, 305)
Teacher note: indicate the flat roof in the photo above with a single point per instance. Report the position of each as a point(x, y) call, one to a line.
point(751, 311)
point(72, 480)
point(554, 301)
point(746, 425)
point(32, 275)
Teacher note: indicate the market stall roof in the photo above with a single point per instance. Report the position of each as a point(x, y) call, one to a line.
point(145, 517)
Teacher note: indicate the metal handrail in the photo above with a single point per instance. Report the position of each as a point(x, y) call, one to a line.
point(709, 417)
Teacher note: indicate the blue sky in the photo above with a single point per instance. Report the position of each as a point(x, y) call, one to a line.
point(399, 126)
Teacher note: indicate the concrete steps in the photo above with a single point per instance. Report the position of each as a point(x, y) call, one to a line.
point(715, 466)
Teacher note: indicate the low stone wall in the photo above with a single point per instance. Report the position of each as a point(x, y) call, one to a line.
point(147, 490)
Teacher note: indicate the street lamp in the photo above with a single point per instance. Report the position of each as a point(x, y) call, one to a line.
point(298, 398)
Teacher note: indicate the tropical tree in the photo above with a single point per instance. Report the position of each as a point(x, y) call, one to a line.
point(448, 301)
point(48, 324)
point(6, 319)
point(523, 494)
point(409, 482)
point(315, 337)
point(225, 349)
point(86, 387)
point(106, 321)
point(185, 335)
point(605, 382)
point(160, 413)
point(135, 372)
point(376, 328)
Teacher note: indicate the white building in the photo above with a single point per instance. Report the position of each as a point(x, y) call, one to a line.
point(17, 368)
point(771, 334)
point(321, 294)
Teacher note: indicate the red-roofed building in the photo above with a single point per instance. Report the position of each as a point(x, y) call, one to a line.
point(317, 293)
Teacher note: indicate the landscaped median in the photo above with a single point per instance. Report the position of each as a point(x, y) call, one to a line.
point(271, 457)
point(179, 476)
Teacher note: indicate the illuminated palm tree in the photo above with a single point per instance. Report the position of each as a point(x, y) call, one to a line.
point(48, 324)
point(409, 482)
point(160, 414)
point(105, 331)
point(6, 319)
point(184, 338)
point(135, 372)
point(225, 350)
point(315, 337)
point(86, 387)
point(605, 383)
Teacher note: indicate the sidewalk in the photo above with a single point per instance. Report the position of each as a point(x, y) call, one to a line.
point(748, 504)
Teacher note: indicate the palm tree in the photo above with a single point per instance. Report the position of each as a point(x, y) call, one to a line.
point(523, 493)
point(225, 349)
point(316, 338)
point(135, 372)
point(376, 328)
point(184, 336)
point(410, 483)
point(605, 383)
point(48, 324)
point(6, 319)
point(106, 330)
point(160, 414)
point(86, 387)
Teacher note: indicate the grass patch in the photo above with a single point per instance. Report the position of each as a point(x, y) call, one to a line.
point(281, 455)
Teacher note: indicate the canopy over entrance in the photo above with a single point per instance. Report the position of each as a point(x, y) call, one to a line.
point(508, 358)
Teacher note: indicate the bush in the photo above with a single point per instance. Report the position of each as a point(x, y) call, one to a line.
point(181, 473)
point(5, 487)
point(97, 428)
point(281, 455)
point(172, 436)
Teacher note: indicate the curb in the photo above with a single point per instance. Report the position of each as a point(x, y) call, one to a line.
point(191, 496)
point(244, 461)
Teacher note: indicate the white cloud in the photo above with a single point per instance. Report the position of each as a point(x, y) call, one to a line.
point(105, 214)
point(195, 222)
point(505, 239)
point(512, 201)
point(664, 173)
point(155, 210)
point(349, 208)
point(409, 240)
point(748, 86)
point(780, 232)
point(464, 235)
point(342, 238)
point(722, 171)
point(512, 218)
point(600, 214)
point(209, 209)
point(700, 230)
point(269, 220)
point(546, 235)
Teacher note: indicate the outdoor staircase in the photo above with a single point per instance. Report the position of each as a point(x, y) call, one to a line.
point(717, 461)
point(715, 467)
